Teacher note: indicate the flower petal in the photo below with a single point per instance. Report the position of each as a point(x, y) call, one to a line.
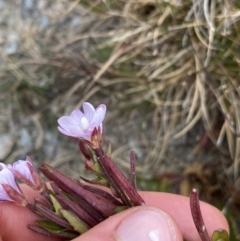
point(7, 177)
point(77, 114)
point(99, 116)
point(3, 195)
point(2, 165)
point(22, 167)
point(63, 131)
point(102, 108)
point(89, 111)
point(76, 131)
point(66, 122)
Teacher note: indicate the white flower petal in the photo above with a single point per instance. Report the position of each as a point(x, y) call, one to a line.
point(84, 124)
point(77, 114)
point(7, 177)
point(22, 167)
point(65, 122)
point(102, 108)
point(67, 133)
point(99, 116)
point(3, 195)
point(76, 131)
point(2, 165)
point(89, 111)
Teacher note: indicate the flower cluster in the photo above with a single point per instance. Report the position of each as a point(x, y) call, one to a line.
point(70, 207)
point(21, 170)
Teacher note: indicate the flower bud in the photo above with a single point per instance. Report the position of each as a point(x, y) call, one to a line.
point(24, 171)
point(9, 190)
point(86, 150)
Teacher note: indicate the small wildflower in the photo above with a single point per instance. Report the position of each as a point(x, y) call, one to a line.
point(81, 124)
point(2, 166)
point(24, 171)
point(9, 190)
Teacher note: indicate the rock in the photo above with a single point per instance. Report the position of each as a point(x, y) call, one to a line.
point(6, 145)
point(25, 139)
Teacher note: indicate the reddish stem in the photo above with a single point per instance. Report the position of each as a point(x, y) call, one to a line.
point(197, 216)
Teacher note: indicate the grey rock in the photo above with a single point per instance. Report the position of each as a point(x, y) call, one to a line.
point(6, 145)
point(25, 139)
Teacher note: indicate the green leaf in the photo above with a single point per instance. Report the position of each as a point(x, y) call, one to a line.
point(77, 224)
point(120, 209)
point(66, 234)
point(56, 204)
point(220, 235)
point(109, 151)
point(98, 169)
point(102, 181)
point(50, 226)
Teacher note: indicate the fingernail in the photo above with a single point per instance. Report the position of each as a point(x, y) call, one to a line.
point(146, 225)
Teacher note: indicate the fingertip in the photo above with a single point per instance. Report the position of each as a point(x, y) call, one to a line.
point(148, 224)
point(143, 223)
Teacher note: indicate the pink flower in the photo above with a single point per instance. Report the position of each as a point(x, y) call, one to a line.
point(24, 171)
point(81, 124)
point(9, 190)
point(2, 165)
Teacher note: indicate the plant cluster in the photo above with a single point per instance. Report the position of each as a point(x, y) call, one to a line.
point(69, 207)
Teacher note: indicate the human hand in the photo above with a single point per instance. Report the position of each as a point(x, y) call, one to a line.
point(166, 217)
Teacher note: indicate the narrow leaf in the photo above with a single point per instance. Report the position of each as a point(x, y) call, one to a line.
point(109, 150)
point(122, 186)
point(77, 224)
point(50, 215)
point(90, 201)
point(76, 209)
point(50, 226)
point(56, 204)
point(63, 235)
point(120, 209)
point(97, 181)
point(103, 194)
